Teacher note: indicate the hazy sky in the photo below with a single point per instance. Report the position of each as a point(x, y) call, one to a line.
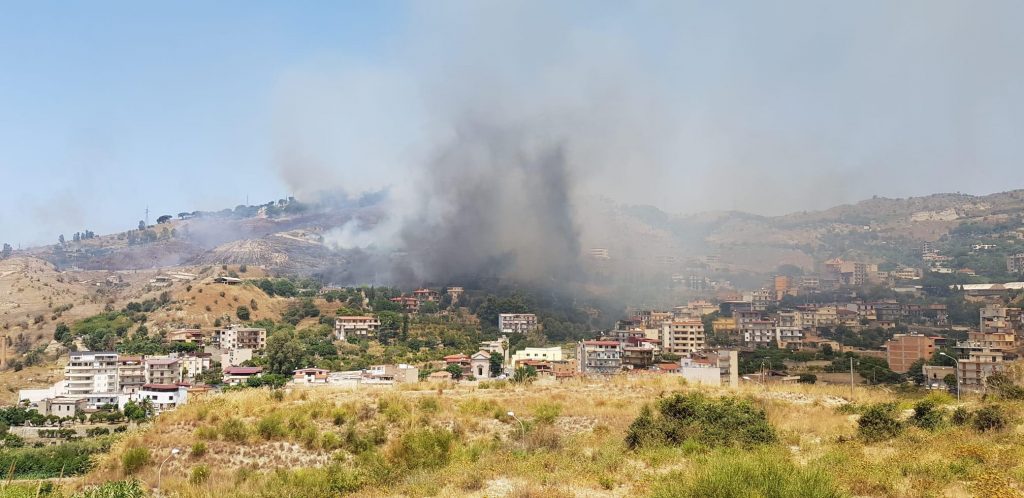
point(109, 107)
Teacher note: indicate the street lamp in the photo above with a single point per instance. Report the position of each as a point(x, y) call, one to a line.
point(956, 373)
point(521, 424)
point(159, 471)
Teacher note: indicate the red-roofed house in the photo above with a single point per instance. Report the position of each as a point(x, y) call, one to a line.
point(237, 375)
point(310, 376)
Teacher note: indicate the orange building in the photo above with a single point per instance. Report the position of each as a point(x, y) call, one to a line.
point(904, 349)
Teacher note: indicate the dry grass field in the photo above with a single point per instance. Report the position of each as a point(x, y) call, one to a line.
point(566, 439)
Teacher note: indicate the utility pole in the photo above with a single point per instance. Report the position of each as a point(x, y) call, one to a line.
point(147, 215)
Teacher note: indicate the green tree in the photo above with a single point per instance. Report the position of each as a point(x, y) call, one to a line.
point(455, 370)
point(6, 252)
point(524, 375)
point(497, 362)
point(142, 225)
point(916, 371)
point(285, 353)
point(242, 313)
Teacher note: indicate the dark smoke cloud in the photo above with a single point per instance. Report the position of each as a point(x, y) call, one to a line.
point(496, 202)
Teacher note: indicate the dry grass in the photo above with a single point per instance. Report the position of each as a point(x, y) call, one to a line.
point(573, 446)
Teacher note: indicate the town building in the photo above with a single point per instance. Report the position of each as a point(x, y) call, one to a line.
point(1015, 263)
point(164, 397)
point(193, 364)
point(239, 337)
point(62, 407)
point(399, 374)
point(186, 336)
point(904, 349)
point(310, 376)
point(235, 357)
point(131, 373)
point(517, 323)
point(456, 293)
point(91, 372)
point(162, 370)
point(480, 364)
point(239, 375)
point(599, 357)
point(499, 346)
point(426, 295)
point(408, 303)
point(935, 376)
point(355, 326)
point(976, 363)
point(553, 353)
point(682, 337)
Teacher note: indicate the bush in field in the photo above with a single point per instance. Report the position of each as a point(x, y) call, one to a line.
point(735, 473)
point(199, 474)
point(270, 427)
point(116, 489)
point(198, 449)
point(546, 413)
point(134, 459)
point(928, 414)
point(727, 421)
point(961, 416)
point(423, 448)
point(990, 418)
point(879, 422)
point(234, 430)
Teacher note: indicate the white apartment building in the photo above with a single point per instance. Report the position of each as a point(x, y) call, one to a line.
point(91, 372)
point(599, 357)
point(517, 323)
point(238, 337)
point(537, 354)
point(359, 326)
point(681, 337)
point(977, 362)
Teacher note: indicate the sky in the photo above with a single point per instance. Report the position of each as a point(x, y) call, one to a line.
point(107, 108)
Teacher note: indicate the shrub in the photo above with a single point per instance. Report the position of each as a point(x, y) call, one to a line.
point(961, 416)
point(198, 449)
point(423, 449)
point(270, 427)
point(242, 313)
point(990, 417)
point(723, 421)
point(927, 414)
point(733, 473)
point(234, 430)
point(199, 475)
point(546, 413)
point(131, 488)
point(134, 459)
point(879, 422)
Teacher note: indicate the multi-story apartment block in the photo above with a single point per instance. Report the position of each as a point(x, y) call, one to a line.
point(599, 357)
point(851, 272)
point(131, 373)
point(358, 326)
point(904, 349)
point(681, 337)
point(976, 363)
point(1015, 263)
point(1000, 320)
point(193, 365)
point(787, 336)
point(517, 323)
point(187, 336)
point(162, 370)
point(1005, 341)
point(91, 372)
point(238, 337)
